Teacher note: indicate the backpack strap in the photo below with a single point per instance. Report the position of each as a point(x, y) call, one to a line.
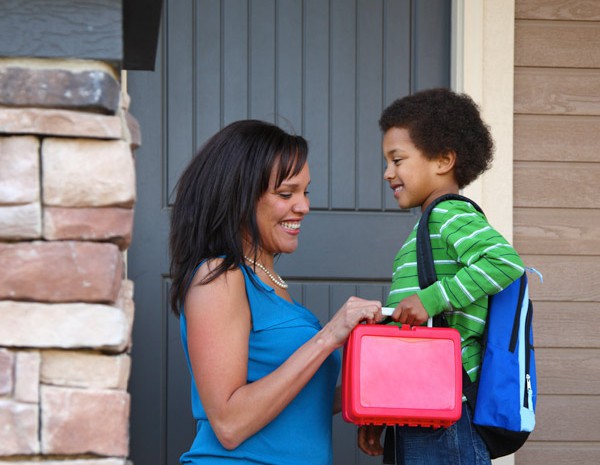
point(425, 263)
point(428, 276)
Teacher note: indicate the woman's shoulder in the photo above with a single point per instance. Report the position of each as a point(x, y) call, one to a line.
point(233, 276)
point(224, 291)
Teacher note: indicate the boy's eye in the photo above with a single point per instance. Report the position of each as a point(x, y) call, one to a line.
point(397, 161)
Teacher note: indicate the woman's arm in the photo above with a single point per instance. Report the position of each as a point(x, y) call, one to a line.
point(219, 324)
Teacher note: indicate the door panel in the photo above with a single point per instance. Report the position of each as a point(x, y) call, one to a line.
point(324, 69)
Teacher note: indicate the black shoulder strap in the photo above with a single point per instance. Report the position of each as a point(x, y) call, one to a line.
point(425, 264)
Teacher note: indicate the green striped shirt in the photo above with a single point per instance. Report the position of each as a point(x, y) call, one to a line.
point(472, 261)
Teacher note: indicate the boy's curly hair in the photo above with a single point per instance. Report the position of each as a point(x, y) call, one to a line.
point(439, 121)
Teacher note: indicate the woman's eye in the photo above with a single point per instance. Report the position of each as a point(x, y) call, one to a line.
point(285, 195)
point(397, 161)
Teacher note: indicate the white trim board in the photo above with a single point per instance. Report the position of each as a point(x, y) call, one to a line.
point(483, 67)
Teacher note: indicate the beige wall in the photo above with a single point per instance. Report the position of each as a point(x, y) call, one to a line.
point(557, 218)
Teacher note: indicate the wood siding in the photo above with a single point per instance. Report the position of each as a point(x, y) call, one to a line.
point(557, 218)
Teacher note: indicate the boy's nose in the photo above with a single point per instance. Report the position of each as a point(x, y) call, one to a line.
point(388, 173)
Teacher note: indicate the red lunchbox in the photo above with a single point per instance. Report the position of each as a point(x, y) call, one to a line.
point(402, 376)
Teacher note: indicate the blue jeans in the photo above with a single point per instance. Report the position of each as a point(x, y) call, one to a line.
point(459, 444)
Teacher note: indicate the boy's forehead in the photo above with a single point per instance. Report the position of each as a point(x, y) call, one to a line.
point(397, 135)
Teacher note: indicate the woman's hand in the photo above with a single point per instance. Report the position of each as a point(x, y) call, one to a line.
point(353, 312)
point(369, 439)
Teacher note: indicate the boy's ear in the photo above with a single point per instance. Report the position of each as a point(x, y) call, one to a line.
point(446, 162)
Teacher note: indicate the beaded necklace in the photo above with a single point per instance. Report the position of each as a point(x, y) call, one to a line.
point(274, 277)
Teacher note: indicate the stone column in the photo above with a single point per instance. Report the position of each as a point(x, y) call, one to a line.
point(67, 192)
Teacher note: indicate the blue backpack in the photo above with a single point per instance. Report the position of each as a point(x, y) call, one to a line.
point(504, 398)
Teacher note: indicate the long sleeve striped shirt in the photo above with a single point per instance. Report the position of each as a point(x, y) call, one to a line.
point(472, 262)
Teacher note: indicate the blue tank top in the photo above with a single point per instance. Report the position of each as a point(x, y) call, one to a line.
point(302, 433)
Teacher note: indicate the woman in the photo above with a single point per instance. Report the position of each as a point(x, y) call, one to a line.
point(264, 371)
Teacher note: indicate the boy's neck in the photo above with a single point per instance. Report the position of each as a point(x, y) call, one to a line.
point(450, 189)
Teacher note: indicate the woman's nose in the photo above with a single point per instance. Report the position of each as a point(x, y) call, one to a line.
point(302, 205)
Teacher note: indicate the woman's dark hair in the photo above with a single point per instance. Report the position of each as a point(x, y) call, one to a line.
point(440, 121)
point(217, 194)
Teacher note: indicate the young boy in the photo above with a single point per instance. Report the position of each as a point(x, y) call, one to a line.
point(435, 143)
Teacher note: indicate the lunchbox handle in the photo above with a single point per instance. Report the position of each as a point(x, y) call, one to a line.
point(412, 328)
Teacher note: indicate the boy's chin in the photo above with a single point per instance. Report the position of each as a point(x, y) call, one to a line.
point(405, 204)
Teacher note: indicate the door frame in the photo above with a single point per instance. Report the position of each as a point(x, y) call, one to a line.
point(482, 64)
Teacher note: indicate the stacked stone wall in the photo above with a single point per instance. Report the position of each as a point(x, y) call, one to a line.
point(67, 193)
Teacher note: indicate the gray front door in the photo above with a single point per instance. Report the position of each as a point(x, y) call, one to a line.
point(321, 68)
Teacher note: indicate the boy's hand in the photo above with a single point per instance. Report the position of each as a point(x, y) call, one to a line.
point(410, 311)
point(369, 439)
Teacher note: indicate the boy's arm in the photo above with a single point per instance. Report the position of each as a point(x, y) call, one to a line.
point(489, 262)
point(369, 439)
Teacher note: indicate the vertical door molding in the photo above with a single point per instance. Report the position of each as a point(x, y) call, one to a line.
point(483, 67)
